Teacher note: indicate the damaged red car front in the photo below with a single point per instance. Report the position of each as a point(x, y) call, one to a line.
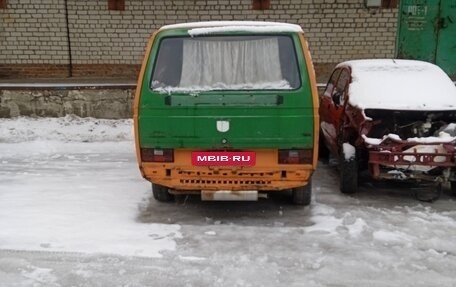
point(394, 118)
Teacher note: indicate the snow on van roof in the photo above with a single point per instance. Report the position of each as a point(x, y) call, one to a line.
point(210, 27)
point(400, 85)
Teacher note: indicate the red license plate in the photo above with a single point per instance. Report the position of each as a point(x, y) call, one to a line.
point(226, 158)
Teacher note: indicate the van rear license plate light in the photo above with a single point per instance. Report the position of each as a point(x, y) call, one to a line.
point(223, 158)
point(157, 155)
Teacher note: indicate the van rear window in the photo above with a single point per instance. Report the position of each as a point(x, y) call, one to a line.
point(187, 64)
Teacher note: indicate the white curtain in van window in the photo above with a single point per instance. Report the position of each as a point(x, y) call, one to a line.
point(235, 64)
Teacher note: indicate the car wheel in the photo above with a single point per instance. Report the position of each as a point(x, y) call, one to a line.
point(453, 187)
point(161, 193)
point(302, 195)
point(429, 194)
point(348, 165)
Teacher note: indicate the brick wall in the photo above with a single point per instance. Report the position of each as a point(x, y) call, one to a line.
point(33, 33)
point(111, 43)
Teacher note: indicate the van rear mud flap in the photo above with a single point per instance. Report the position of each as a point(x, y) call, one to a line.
point(229, 195)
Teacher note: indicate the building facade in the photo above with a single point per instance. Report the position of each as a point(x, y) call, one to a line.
point(107, 38)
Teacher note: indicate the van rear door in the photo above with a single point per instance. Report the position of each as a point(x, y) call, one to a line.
point(226, 91)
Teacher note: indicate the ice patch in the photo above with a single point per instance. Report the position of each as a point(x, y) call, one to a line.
point(391, 236)
point(280, 85)
point(76, 197)
point(286, 27)
point(39, 276)
point(356, 228)
point(83, 273)
point(324, 225)
point(442, 138)
point(322, 209)
point(191, 258)
point(52, 219)
point(244, 28)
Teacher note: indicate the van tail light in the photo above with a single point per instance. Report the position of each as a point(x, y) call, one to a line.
point(157, 154)
point(295, 156)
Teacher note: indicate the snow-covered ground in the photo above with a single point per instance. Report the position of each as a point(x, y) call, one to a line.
point(74, 211)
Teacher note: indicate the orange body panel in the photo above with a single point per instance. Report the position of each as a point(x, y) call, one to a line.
point(315, 98)
point(265, 175)
point(138, 96)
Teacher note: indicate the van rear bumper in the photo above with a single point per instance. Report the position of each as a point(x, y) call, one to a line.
point(265, 175)
point(227, 178)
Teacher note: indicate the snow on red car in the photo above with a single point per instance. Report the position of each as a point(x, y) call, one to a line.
point(394, 118)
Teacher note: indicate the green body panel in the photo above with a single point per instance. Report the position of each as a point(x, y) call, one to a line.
point(427, 31)
point(446, 46)
point(257, 119)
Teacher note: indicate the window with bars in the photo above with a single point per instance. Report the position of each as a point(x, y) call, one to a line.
point(116, 5)
point(2, 4)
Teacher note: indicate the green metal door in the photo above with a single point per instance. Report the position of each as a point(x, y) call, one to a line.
point(417, 38)
point(427, 31)
point(446, 43)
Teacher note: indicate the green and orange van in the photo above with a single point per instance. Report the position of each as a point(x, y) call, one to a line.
point(227, 110)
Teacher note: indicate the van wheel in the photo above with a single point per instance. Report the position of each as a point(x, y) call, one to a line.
point(348, 170)
point(302, 195)
point(161, 193)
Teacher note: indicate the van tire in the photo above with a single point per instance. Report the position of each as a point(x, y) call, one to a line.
point(348, 174)
point(302, 195)
point(161, 193)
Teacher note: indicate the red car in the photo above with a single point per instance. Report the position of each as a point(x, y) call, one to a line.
point(394, 118)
